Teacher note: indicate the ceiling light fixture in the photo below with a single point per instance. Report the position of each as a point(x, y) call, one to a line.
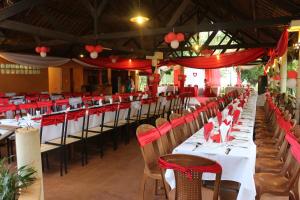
point(139, 18)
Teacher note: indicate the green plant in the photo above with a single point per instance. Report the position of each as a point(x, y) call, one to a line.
point(11, 181)
point(251, 75)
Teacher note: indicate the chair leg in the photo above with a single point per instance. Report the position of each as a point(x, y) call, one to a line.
point(61, 160)
point(143, 184)
point(66, 159)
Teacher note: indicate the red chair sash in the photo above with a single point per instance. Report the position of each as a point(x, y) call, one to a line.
point(215, 168)
point(124, 106)
point(177, 122)
point(98, 98)
point(75, 115)
point(27, 106)
point(97, 110)
point(196, 114)
point(48, 120)
point(148, 137)
point(189, 117)
point(41, 104)
point(6, 108)
point(164, 128)
point(61, 102)
point(230, 109)
point(4, 101)
point(291, 139)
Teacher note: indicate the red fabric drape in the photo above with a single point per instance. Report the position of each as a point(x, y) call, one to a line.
point(213, 77)
point(219, 61)
point(120, 64)
point(280, 49)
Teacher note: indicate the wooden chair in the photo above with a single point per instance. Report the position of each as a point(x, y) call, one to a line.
point(47, 146)
point(149, 153)
point(179, 128)
point(188, 171)
point(191, 122)
point(166, 134)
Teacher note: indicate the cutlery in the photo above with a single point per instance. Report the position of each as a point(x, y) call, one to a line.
point(238, 146)
point(197, 145)
point(241, 139)
point(227, 151)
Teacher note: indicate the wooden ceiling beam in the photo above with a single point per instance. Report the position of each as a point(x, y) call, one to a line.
point(18, 7)
point(232, 25)
point(229, 46)
point(181, 8)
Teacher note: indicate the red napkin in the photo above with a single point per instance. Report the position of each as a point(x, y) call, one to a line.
point(239, 123)
point(207, 130)
point(230, 108)
point(235, 129)
point(217, 138)
point(236, 115)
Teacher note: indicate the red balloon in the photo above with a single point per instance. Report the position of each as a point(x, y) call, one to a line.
point(89, 48)
point(167, 39)
point(98, 48)
point(180, 37)
point(171, 36)
point(44, 49)
point(38, 49)
point(292, 74)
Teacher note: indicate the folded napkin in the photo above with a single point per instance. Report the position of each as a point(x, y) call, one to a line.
point(217, 138)
point(207, 130)
point(224, 128)
point(36, 118)
point(219, 117)
point(235, 129)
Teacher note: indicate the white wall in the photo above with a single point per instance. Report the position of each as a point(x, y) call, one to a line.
point(194, 77)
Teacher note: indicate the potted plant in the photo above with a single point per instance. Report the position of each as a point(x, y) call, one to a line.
point(13, 180)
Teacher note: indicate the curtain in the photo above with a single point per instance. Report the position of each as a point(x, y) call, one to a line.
point(218, 61)
point(280, 49)
point(213, 77)
point(32, 60)
point(120, 63)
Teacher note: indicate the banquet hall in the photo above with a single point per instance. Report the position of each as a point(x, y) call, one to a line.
point(149, 100)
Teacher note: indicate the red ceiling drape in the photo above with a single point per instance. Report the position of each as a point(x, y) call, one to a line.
point(120, 64)
point(280, 49)
point(219, 61)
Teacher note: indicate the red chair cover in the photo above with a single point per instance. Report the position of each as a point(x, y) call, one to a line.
point(207, 130)
point(48, 120)
point(148, 137)
point(98, 98)
point(124, 105)
point(75, 115)
point(215, 168)
point(164, 128)
point(97, 110)
point(177, 122)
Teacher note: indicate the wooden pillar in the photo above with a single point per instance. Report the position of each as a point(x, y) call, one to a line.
point(297, 115)
point(109, 76)
point(283, 73)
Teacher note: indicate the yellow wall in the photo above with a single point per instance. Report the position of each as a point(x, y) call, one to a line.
point(77, 76)
point(22, 82)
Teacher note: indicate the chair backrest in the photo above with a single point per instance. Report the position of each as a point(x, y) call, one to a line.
point(75, 115)
point(28, 108)
point(179, 127)
point(54, 119)
point(60, 103)
point(166, 134)
point(98, 100)
point(148, 136)
point(45, 106)
point(188, 171)
point(190, 122)
point(44, 97)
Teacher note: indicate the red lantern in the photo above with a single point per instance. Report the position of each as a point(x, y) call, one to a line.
point(98, 48)
point(89, 48)
point(292, 74)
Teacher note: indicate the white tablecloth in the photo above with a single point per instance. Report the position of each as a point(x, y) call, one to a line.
point(239, 164)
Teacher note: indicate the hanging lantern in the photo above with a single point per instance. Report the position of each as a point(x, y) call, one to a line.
point(42, 50)
point(173, 39)
point(292, 79)
point(93, 50)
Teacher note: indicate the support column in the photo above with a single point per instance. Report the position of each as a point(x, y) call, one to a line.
point(109, 76)
point(297, 114)
point(283, 73)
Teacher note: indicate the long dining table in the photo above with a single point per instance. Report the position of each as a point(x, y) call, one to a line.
point(54, 131)
point(237, 157)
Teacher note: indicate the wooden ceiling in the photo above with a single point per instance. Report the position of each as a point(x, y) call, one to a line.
point(66, 26)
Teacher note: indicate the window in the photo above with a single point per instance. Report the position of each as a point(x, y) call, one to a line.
point(18, 69)
point(142, 83)
point(167, 78)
